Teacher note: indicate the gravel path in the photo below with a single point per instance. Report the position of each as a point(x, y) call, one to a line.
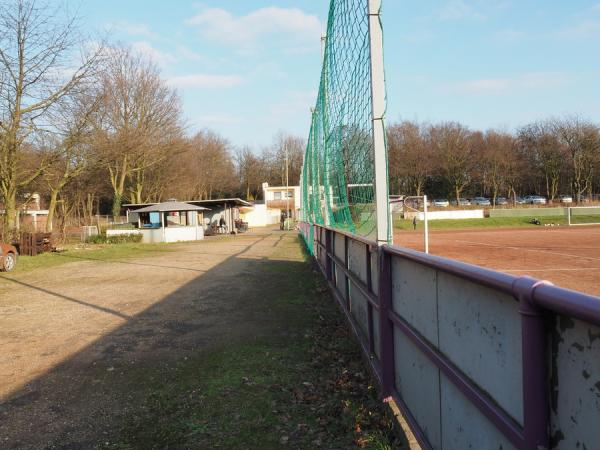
point(74, 337)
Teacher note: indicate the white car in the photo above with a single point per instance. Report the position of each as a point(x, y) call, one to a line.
point(565, 199)
point(441, 203)
point(481, 201)
point(461, 202)
point(535, 200)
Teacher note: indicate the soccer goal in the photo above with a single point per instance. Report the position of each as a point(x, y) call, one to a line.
point(415, 210)
point(583, 215)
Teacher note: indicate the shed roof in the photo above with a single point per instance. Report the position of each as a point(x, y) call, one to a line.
point(222, 201)
point(171, 206)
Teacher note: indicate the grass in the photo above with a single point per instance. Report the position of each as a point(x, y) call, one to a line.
point(488, 222)
point(92, 252)
point(302, 384)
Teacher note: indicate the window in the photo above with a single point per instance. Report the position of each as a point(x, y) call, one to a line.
point(277, 195)
point(290, 194)
point(176, 218)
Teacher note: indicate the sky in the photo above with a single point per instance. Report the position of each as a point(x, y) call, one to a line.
point(249, 69)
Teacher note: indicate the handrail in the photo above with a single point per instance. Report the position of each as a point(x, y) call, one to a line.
point(545, 295)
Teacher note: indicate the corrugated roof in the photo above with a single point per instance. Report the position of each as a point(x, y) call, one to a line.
point(222, 201)
point(171, 206)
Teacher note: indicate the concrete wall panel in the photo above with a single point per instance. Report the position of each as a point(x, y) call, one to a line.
point(463, 426)
point(417, 382)
point(358, 309)
point(575, 385)
point(480, 332)
point(414, 296)
point(357, 259)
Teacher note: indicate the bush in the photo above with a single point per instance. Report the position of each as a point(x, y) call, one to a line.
point(118, 239)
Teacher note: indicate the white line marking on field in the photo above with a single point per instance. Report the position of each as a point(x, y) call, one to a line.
point(529, 250)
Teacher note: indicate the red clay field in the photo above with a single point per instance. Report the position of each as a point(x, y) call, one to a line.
point(567, 256)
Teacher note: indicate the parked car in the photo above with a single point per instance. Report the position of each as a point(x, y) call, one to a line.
point(441, 203)
point(461, 202)
point(501, 201)
point(481, 201)
point(520, 201)
point(565, 199)
point(8, 257)
point(535, 200)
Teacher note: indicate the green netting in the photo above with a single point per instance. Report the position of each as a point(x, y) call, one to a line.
point(338, 174)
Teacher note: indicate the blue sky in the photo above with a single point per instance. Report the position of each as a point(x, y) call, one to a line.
point(249, 69)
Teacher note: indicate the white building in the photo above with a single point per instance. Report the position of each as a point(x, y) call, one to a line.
point(168, 222)
point(282, 198)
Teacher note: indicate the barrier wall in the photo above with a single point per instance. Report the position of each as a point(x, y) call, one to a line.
point(528, 212)
point(474, 358)
point(452, 214)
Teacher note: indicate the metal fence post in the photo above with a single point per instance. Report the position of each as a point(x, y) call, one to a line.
point(386, 330)
point(328, 253)
point(347, 265)
point(535, 366)
point(369, 305)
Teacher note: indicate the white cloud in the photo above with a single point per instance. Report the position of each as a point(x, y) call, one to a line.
point(214, 120)
point(159, 57)
point(188, 54)
point(584, 29)
point(133, 29)
point(205, 81)
point(293, 103)
point(472, 9)
point(220, 25)
point(458, 10)
point(418, 36)
point(509, 36)
point(486, 86)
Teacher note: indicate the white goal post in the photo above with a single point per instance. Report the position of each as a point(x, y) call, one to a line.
point(583, 215)
point(420, 216)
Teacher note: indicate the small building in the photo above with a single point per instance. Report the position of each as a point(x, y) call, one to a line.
point(283, 198)
point(227, 209)
point(167, 222)
point(32, 218)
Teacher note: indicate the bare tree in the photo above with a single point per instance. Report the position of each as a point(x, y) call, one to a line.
point(450, 141)
point(70, 147)
point(496, 159)
point(410, 157)
point(37, 45)
point(251, 172)
point(581, 140)
point(544, 152)
point(139, 123)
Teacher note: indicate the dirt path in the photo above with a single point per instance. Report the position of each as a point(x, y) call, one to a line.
point(70, 334)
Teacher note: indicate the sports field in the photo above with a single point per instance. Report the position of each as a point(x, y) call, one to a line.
point(567, 256)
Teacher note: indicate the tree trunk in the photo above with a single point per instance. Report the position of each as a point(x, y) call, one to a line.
point(51, 209)
point(9, 220)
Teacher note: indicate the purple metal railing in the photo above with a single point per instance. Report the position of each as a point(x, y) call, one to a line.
point(535, 299)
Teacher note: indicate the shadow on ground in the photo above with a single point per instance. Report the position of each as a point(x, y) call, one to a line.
point(217, 362)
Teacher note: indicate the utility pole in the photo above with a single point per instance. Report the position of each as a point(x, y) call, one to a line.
point(384, 235)
point(287, 187)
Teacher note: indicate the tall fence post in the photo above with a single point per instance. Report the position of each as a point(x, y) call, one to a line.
point(384, 234)
point(386, 330)
point(536, 424)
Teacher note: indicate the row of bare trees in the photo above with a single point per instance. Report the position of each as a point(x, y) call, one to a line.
point(549, 158)
point(93, 125)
